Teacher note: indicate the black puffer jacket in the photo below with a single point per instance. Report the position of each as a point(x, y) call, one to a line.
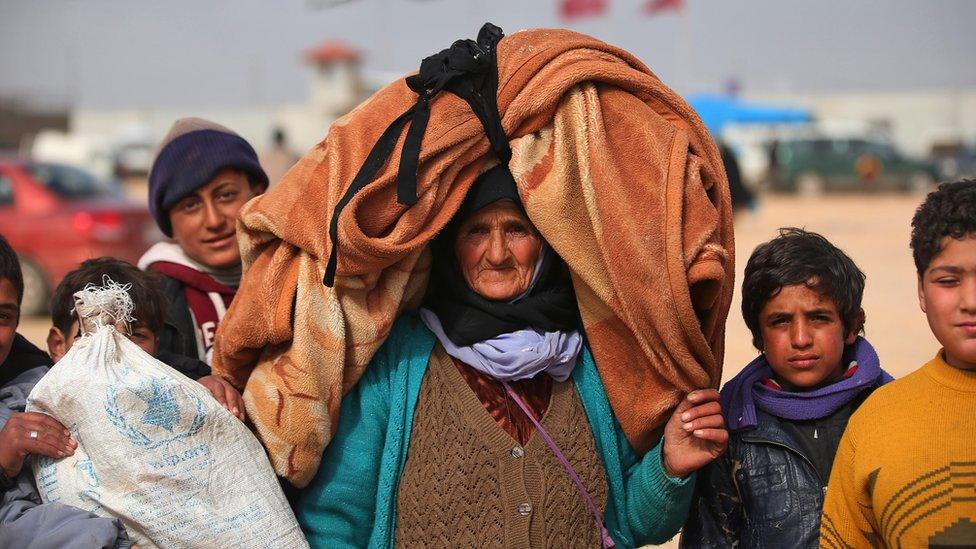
point(764, 492)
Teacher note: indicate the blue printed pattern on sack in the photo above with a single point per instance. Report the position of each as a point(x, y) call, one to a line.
point(47, 479)
point(165, 406)
point(173, 524)
point(161, 407)
point(91, 495)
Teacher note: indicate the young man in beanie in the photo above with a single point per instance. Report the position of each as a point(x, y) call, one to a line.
point(202, 175)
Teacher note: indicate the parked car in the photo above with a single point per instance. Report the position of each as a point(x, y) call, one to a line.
point(56, 216)
point(133, 159)
point(812, 166)
point(955, 162)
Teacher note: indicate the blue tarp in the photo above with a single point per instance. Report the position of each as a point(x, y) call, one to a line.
point(717, 111)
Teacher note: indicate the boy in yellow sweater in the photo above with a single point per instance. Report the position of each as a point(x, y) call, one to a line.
point(905, 472)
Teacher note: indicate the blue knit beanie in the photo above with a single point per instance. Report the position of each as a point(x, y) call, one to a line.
point(193, 153)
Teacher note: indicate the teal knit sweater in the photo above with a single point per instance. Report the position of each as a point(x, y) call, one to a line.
point(352, 500)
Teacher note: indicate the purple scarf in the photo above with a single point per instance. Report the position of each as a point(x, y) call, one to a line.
point(746, 392)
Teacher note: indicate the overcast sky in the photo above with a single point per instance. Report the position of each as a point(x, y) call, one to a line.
point(134, 53)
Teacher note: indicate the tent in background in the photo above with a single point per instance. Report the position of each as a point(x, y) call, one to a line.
point(717, 111)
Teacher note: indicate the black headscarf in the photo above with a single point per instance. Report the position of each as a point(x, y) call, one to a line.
point(466, 316)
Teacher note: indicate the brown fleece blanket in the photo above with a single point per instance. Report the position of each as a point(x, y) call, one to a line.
point(615, 170)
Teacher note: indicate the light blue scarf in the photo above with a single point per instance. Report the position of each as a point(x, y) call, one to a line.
point(521, 354)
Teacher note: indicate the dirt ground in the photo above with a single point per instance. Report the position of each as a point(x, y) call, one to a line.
point(874, 230)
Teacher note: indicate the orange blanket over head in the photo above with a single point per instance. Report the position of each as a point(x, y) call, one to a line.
point(615, 170)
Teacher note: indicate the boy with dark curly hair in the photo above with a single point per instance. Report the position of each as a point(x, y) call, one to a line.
point(905, 474)
point(787, 409)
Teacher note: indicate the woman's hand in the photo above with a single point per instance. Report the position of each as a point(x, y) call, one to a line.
point(225, 393)
point(695, 435)
point(32, 433)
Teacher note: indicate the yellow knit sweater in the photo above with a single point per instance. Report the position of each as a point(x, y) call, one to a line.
point(905, 472)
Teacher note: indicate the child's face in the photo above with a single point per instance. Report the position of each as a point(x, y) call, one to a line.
point(803, 338)
point(58, 344)
point(947, 295)
point(204, 223)
point(9, 317)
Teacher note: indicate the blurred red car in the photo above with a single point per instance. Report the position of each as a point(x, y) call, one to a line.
point(56, 216)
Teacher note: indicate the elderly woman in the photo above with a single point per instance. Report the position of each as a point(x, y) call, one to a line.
point(482, 421)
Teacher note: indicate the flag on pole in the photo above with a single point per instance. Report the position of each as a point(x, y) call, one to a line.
point(579, 9)
point(654, 7)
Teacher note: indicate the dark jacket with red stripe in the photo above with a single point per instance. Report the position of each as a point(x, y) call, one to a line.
point(177, 342)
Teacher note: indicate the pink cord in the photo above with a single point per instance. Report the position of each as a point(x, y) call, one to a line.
point(606, 540)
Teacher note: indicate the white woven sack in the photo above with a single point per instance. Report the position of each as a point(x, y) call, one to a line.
point(155, 449)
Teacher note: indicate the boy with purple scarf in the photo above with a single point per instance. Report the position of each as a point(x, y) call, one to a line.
point(787, 409)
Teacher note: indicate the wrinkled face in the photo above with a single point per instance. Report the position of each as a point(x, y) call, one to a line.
point(497, 249)
point(9, 317)
point(204, 223)
point(803, 338)
point(58, 344)
point(947, 295)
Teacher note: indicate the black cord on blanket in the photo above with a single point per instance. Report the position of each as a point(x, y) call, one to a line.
point(468, 69)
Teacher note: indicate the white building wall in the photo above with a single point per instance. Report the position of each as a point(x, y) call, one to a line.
point(253, 123)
